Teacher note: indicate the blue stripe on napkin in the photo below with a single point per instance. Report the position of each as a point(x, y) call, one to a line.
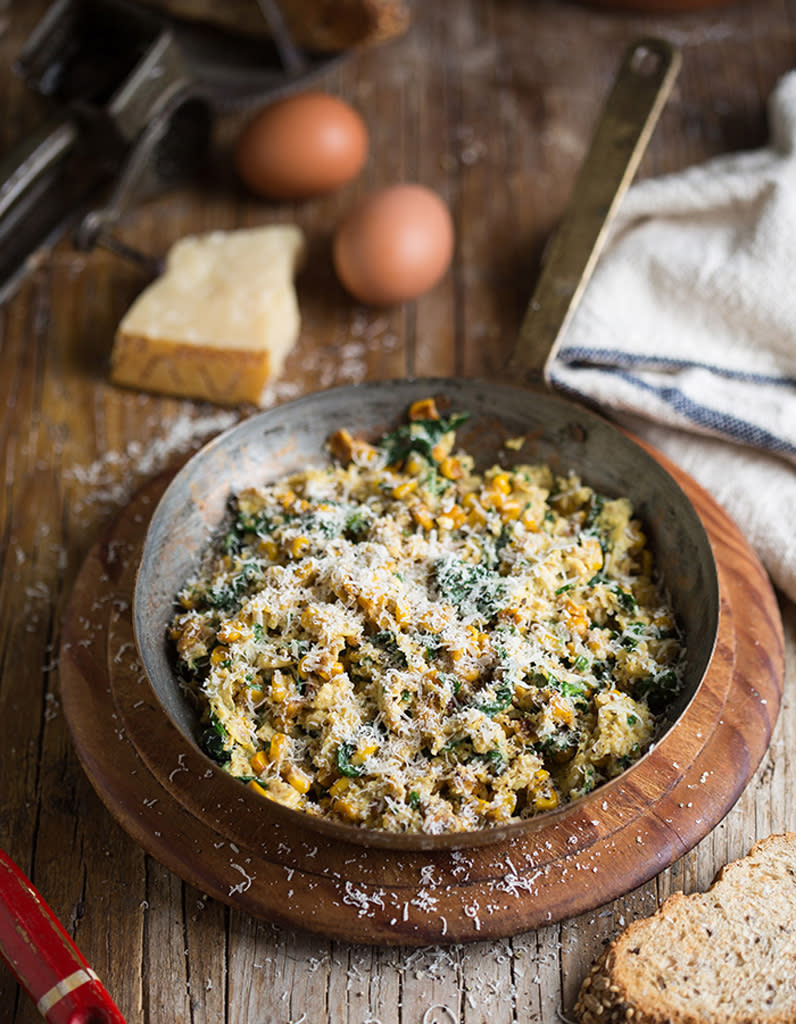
point(713, 419)
point(611, 357)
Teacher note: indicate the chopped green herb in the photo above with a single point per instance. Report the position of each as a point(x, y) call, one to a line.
point(472, 588)
point(387, 643)
point(357, 524)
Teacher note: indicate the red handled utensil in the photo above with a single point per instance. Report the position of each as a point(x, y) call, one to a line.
point(48, 965)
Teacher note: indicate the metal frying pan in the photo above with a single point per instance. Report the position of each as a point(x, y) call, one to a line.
point(559, 432)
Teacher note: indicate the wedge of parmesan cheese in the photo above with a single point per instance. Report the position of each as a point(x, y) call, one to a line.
point(220, 320)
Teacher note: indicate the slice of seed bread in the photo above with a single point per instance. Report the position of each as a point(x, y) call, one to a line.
point(725, 956)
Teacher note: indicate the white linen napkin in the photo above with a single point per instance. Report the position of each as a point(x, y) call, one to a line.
point(687, 330)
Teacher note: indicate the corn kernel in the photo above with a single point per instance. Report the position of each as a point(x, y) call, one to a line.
point(286, 713)
point(341, 444)
point(577, 619)
point(431, 622)
point(279, 746)
point(298, 546)
point(414, 464)
point(259, 762)
point(561, 709)
point(451, 468)
point(363, 751)
point(468, 672)
point(340, 786)
point(346, 808)
point(502, 807)
point(219, 654)
point(269, 548)
point(405, 487)
point(440, 450)
point(280, 690)
point(501, 482)
point(477, 516)
point(326, 672)
point(529, 519)
point(458, 516)
point(254, 785)
point(401, 611)
point(305, 571)
point(546, 801)
point(287, 499)
point(492, 497)
point(298, 779)
point(424, 409)
point(512, 614)
point(229, 632)
point(422, 517)
point(593, 554)
point(510, 511)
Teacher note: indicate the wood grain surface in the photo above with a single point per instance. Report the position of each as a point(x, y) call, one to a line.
point(491, 102)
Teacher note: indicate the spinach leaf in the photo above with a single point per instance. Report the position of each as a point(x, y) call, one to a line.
point(658, 690)
point(212, 742)
point(504, 695)
point(418, 436)
point(344, 766)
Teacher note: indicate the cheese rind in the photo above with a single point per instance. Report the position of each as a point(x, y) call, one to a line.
point(219, 322)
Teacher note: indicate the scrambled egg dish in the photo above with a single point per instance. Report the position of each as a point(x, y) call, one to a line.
point(403, 643)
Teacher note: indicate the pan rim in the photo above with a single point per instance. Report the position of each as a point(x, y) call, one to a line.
point(393, 389)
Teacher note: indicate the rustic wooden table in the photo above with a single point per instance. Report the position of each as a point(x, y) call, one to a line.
point(491, 102)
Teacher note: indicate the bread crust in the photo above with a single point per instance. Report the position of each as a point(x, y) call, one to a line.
point(726, 956)
point(320, 25)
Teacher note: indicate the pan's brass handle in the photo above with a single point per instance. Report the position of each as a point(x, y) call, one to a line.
point(643, 84)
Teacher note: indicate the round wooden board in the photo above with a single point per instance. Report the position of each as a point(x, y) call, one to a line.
point(174, 802)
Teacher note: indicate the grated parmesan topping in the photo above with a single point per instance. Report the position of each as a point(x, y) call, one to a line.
point(401, 642)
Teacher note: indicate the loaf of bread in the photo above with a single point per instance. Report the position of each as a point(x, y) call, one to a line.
point(725, 956)
point(317, 25)
point(219, 322)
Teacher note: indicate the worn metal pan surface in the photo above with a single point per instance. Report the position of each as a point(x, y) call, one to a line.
point(560, 432)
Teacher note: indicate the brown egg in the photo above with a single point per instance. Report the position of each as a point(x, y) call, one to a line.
point(301, 146)
point(394, 245)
